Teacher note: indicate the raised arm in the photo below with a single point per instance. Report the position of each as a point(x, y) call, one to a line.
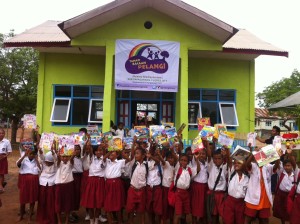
point(196, 158)
point(163, 162)
point(19, 162)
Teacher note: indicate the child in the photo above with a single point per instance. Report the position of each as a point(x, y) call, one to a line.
point(5, 150)
point(168, 178)
point(199, 189)
point(120, 131)
point(234, 204)
point(184, 175)
point(45, 211)
point(85, 175)
point(77, 175)
point(153, 188)
point(28, 181)
point(114, 191)
point(217, 169)
point(136, 197)
point(94, 195)
point(286, 178)
point(259, 197)
point(64, 187)
point(295, 204)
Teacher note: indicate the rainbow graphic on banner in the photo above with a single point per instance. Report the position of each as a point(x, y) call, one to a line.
point(139, 49)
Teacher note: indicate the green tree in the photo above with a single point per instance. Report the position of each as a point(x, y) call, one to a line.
point(18, 82)
point(279, 90)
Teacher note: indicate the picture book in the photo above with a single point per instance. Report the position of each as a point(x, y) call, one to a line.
point(128, 141)
point(92, 129)
point(277, 144)
point(79, 138)
point(141, 114)
point(29, 121)
point(203, 121)
point(181, 128)
point(207, 132)
point(226, 139)
point(266, 155)
point(156, 130)
point(107, 136)
point(251, 139)
point(161, 140)
point(115, 144)
point(167, 124)
point(197, 144)
point(46, 142)
point(219, 128)
point(66, 145)
point(141, 131)
point(240, 153)
point(170, 132)
point(96, 139)
point(27, 144)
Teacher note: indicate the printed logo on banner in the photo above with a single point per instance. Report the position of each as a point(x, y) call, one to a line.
point(147, 57)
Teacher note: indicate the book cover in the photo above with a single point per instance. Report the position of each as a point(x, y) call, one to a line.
point(197, 144)
point(92, 129)
point(251, 139)
point(167, 124)
point(27, 144)
point(240, 153)
point(46, 142)
point(207, 132)
point(170, 132)
point(266, 155)
point(141, 114)
point(226, 139)
point(141, 131)
point(219, 128)
point(203, 121)
point(156, 130)
point(115, 144)
point(66, 145)
point(128, 141)
point(29, 121)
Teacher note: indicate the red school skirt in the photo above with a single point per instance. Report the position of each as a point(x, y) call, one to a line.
point(46, 203)
point(167, 210)
point(233, 211)
point(3, 166)
point(29, 188)
point(64, 197)
point(84, 178)
point(77, 190)
point(198, 199)
point(280, 205)
point(295, 214)
point(114, 195)
point(94, 194)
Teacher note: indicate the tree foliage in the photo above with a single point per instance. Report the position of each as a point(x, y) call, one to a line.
point(278, 91)
point(18, 82)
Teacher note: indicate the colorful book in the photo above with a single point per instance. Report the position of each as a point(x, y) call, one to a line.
point(226, 139)
point(197, 144)
point(29, 121)
point(203, 121)
point(208, 133)
point(141, 131)
point(167, 124)
point(128, 141)
point(66, 145)
point(266, 155)
point(27, 144)
point(92, 129)
point(170, 132)
point(46, 142)
point(251, 139)
point(141, 114)
point(156, 130)
point(277, 144)
point(240, 153)
point(219, 128)
point(115, 144)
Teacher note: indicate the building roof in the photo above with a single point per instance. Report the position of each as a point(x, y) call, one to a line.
point(264, 113)
point(289, 102)
point(59, 34)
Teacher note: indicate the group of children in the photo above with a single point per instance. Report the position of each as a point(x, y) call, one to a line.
point(145, 180)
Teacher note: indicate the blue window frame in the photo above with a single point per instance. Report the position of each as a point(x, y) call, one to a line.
point(86, 104)
point(159, 105)
point(210, 101)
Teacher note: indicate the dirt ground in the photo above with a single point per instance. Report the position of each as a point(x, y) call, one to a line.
point(10, 198)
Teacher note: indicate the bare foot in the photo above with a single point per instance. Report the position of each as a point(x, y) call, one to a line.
point(20, 219)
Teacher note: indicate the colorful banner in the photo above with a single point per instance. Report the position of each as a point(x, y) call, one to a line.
point(147, 65)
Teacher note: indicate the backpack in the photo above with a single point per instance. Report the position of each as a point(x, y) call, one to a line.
point(135, 165)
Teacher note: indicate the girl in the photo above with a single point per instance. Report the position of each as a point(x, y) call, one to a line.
point(234, 204)
point(286, 178)
point(64, 189)
point(85, 174)
point(77, 175)
point(258, 197)
point(114, 191)
point(45, 211)
point(184, 175)
point(28, 181)
point(199, 189)
point(5, 150)
point(94, 195)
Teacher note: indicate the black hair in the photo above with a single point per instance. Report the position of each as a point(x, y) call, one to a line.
point(188, 149)
point(217, 152)
point(169, 154)
point(277, 129)
point(183, 155)
point(77, 146)
point(143, 151)
point(83, 130)
point(286, 161)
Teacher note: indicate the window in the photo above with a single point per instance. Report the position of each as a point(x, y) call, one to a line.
point(217, 104)
point(228, 114)
point(268, 123)
point(77, 105)
point(194, 111)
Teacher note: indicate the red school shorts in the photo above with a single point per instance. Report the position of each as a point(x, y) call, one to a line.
point(198, 199)
point(233, 210)
point(136, 200)
point(263, 213)
point(182, 202)
point(154, 199)
point(114, 195)
point(218, 208)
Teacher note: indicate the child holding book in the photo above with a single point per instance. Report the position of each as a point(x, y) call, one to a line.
point(46, 202)
point(259, 197)
point(28, 181)
point(86, 165)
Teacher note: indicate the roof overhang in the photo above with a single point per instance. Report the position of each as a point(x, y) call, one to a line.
point(176, 9)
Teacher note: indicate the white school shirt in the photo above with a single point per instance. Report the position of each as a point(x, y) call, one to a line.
point(5, 146)
point(202, 176)
point(298, 188)
point(97, 167)
point(29, 167)
point(213, 171)
point(113, 169)
point(287, 181)
point(154, 177)
point(254, 191)
point(168, 174)
point(86, 162)
point(138, 178)
point(48, 174)
point(237, 187)
point(64, 173)
point(120, 133)
point(185, 178)
point(78, 166)
point(126, 171)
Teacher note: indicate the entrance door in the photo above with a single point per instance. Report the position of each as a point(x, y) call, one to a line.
point(124, 113)
point(167, 112)
point(148, 108)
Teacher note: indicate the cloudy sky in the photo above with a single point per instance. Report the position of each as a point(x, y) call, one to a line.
point(273, 21)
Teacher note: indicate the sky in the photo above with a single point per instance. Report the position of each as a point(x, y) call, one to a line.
point(273, 21)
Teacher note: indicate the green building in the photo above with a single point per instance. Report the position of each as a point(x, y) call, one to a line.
point(76, 83)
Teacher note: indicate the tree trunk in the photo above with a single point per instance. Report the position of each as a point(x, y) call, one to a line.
point(284, 125)
point(14, 129)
